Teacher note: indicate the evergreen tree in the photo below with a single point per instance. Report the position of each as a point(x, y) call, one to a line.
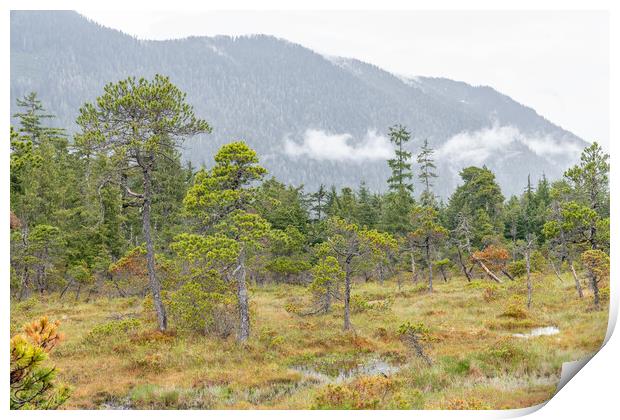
point(426, 234)
point(319, 203)
point(140, 123)
point(427, 174)
point(367, 211)
point(401, 177)
point(221, 200)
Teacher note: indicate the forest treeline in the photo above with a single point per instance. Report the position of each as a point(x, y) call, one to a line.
point(114, 211)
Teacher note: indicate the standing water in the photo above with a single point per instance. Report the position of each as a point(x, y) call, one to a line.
point(537, 332)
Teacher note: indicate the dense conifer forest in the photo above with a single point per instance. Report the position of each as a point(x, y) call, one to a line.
point(224, 287)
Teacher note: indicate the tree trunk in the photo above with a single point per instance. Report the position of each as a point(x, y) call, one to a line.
point(443, 274)
point(328, 299)
point(595, 291)
point(430, 267)
point(529, 279)
point(556, 271)
point(488, 272)
point(24, 290)
point(414, 273)
point(154, 284)
point(577, 282)
point(243, 302)
point(463, 267)
point(66, 288)
point(347, 295)
point(507, 274)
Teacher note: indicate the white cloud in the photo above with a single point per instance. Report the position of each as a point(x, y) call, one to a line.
point(475, 147)
point(321, 145)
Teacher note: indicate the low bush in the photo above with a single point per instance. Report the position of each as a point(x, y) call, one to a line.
point(466, 404)
point(112, 329)
point(516, 308)
point(364, 393)
point(196, 309)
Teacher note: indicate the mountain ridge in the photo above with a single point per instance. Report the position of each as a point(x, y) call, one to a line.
point(273, 92)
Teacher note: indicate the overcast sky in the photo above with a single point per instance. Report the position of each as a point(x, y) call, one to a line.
point(555, 62)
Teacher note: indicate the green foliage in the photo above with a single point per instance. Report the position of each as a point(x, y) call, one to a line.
point(481, 199)
point(400, 165)
point(597, 263)
point(427, 174)
point(417, 328)
point(224, 188)
point(282, 206)
point(590, 179)
point(516, 308)
point(365, 393)
point(287, 266)
point(32, 384)
point(197, 308)
point(112, 329)
point(327, 279)
point(516, 268)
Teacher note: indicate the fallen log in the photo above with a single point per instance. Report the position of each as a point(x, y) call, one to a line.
point(487, 271)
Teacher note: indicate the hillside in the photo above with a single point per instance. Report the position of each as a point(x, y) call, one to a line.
point(313, 119)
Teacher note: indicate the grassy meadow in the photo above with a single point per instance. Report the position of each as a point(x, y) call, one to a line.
point(113, 356)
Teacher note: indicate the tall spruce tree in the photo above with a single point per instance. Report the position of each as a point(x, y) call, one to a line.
point(401, 177)
point(427, 174)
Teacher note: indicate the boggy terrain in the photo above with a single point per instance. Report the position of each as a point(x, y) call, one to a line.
point(476, 336)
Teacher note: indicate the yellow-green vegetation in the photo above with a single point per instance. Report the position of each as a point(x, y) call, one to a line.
point(114, 356)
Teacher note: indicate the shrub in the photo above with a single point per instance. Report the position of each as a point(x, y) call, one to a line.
point(196, 309)
point(506, 355)
point(516, 309)
point(490, 293)
point(418, 328)
point(149, 361)
point(111, 329)
point(364, 393)
point(466, 404)
point(270, 338)
point(327, 278)
point(517, 268)
point(359, 304)
point(32, 384)
point(456, 366)
point(285, 266)
point(604, 294)
point(292, 308)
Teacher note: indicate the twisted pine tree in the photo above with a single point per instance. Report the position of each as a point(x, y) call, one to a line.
point(140, 123)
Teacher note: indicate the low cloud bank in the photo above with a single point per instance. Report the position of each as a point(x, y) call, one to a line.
point(475, 147)
point(321, 145)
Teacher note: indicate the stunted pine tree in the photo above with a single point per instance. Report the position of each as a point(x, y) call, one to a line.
point(348, 243)
point(221, 200)
point(597, 264)
point(426, 234)
point(590, 179)
point(327, 279)
point(32, 384)
point(140, 123)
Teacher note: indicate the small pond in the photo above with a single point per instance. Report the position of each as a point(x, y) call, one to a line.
point(537, 332)
point(372, 367)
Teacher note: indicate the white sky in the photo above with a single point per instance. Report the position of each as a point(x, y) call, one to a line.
point(554, 62)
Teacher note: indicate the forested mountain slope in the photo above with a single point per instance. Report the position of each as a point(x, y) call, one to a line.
point(313, 119)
